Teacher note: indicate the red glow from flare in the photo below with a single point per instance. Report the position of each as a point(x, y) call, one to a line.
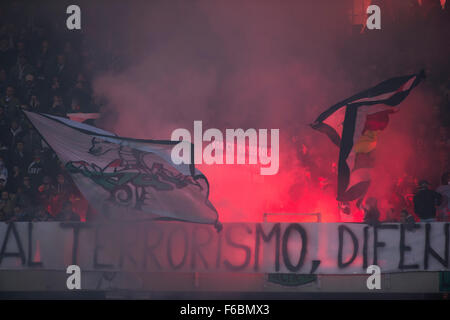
point(241, 194)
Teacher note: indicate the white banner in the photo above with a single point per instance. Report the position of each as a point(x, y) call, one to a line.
point(304, 248)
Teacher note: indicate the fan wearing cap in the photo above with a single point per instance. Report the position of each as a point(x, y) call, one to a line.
point(425, 202)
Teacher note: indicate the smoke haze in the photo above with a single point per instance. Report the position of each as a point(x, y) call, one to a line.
point(259, 64)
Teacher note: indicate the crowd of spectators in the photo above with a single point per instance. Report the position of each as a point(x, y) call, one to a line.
point(42, 69)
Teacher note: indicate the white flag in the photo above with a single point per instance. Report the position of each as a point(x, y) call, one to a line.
point(125, 178)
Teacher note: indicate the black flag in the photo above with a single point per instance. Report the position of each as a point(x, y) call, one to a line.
point(354, 124)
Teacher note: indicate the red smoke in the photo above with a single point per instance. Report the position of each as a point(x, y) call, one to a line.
point(261, 64)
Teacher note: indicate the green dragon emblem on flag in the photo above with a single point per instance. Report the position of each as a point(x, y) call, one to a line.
point(133, 177)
